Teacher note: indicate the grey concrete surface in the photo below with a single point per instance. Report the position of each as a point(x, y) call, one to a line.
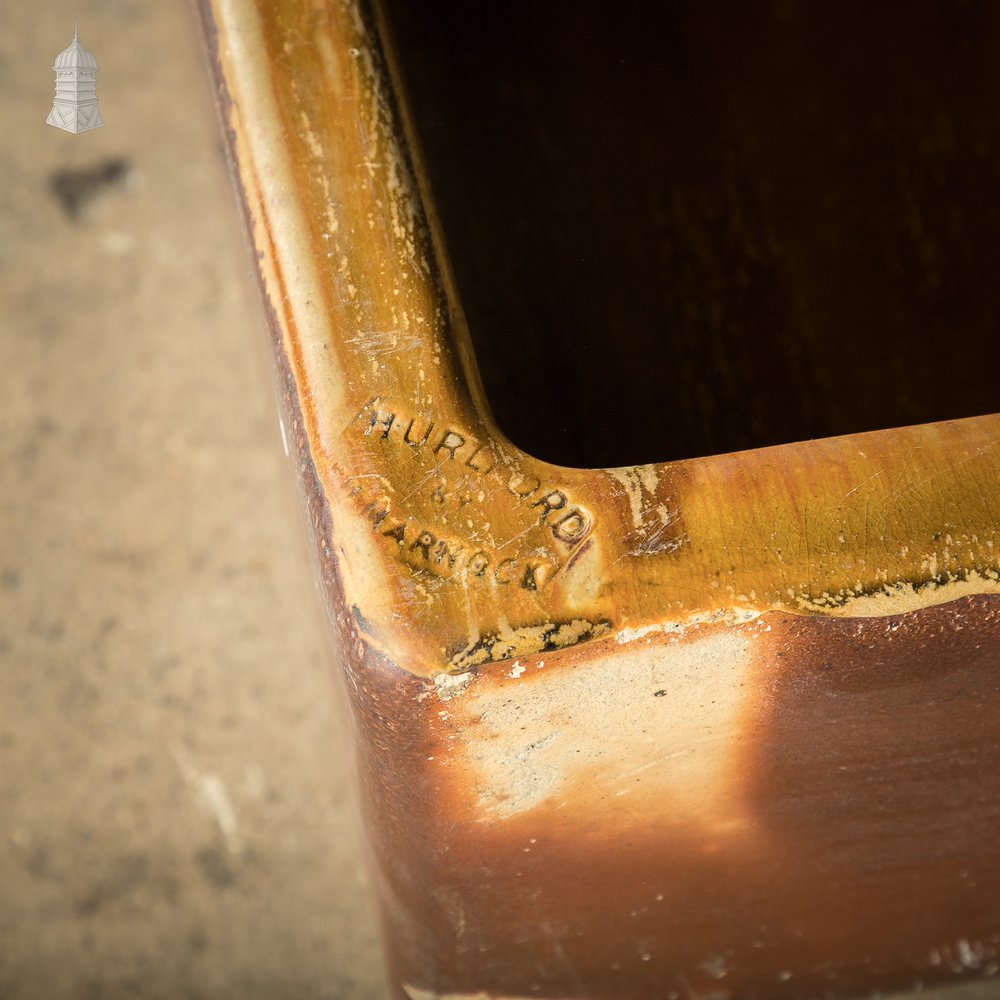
point(176, 817)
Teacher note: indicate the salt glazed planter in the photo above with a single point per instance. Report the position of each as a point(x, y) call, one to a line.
point(723, 727)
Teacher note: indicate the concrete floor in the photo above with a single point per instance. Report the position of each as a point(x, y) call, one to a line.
point(175, 811)
point(175, 816)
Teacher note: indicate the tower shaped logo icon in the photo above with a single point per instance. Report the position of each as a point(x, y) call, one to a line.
point(75, 106)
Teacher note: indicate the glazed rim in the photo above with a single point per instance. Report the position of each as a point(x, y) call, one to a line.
point(453, 547)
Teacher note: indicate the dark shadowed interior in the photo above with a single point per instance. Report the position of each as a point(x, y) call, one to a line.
point(685, 228)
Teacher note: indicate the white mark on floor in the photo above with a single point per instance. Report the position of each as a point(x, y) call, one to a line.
point(211, 792)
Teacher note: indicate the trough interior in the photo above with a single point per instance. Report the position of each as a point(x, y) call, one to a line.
point(686, 228)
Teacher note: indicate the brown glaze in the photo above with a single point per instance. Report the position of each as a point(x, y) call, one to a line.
point(762, 686)
point(866, 857)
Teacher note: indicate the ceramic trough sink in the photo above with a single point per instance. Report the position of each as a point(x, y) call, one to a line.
point(705, 703)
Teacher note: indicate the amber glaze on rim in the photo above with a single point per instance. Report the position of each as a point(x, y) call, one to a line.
point(454, 547)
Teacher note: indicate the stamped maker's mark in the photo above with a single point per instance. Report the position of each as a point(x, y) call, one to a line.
point(451, 536)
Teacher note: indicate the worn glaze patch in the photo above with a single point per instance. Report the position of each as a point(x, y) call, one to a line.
point(653, 727)
point(655, 523)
